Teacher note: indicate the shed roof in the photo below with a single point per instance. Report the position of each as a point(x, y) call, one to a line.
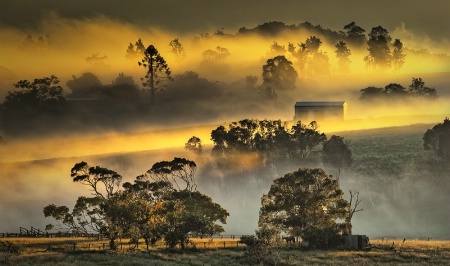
point(309, 104)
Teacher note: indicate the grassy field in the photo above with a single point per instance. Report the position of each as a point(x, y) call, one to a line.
point(383, 252)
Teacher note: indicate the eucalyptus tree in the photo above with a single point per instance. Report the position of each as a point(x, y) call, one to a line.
point(303, 198)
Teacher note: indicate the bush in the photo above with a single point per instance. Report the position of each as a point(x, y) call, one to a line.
point(249, 240)
point(321, 237)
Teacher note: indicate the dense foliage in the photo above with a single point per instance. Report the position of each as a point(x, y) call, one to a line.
point(151, 208)
point(306, 197)
point(438, 140)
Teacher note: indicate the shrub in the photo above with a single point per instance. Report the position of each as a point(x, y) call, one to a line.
point(321, 237)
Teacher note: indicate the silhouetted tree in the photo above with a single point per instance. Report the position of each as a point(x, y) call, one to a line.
point(276, 50)
point(398, 58)
point(394, 89)
point(177, 49)
point(278, 73)
point(438, 140)
point(371, 93)
point(337, 154)
point(41, 97)
point(123, 79)
point(343, 54)
point(418, 88)
point(136, 51)
point(194, 144)
point(301, 54)
point(219, 55)
point(305, 138)
point(271, 138)
point(88, 85)
point(378, 47)
point(155, 65)
point(306, 197)
point(355, 34)
point(352, 209)
point(96, 60)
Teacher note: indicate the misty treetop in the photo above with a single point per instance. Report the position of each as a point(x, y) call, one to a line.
point(270, 138)
point(395, 91)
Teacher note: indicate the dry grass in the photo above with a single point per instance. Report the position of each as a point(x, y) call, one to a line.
point(34, 252)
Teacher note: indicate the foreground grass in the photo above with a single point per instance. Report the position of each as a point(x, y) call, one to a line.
point(410, 252)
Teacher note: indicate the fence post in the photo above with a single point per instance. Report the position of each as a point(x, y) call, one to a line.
point(74, 246)
point(224, 243)
point(89, 247)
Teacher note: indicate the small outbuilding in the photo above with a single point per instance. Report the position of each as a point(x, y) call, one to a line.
point(317, 111)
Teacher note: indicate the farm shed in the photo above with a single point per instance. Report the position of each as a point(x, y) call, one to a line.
point(317, 111)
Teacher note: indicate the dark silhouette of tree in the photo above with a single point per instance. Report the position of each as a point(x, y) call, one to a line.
point(177, 49)
point(418, 88)
point(371, 93)
point(194, 144)
point(313, 44)
point(179, 169)
point(96, 60)
point(157, 71)
point(306, 138)
point(378, 47)
point(301, 54)
point(96, 178)
point(88, 85)
point(355, 34)
point(306, 197)
point(123, 79)
point(395, 90)
point(275, 50)
point(318, 63)
point(38, 98)
point(437, 139)
point(352, 209)
point(310, 58)
point(343, 54)
point(219, 55)
point(136, 51)
point(271, 138)
point(278, 73)
point(337, 154)
point(398, 57)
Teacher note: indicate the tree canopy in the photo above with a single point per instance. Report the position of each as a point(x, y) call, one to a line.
point(303, 198)
point(278, 73)
point(438, 140)
point(270, 138)
point(155, 206)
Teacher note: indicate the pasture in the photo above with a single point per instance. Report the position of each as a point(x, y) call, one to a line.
point(34, 251)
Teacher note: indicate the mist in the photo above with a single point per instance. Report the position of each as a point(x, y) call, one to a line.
point(35, 167)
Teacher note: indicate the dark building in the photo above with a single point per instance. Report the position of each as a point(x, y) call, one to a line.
point(318, 111)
